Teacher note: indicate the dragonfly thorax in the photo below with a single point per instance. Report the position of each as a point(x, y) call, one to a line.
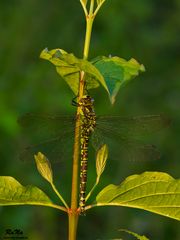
point(87, 113)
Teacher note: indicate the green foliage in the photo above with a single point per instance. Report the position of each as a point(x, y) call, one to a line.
point(152, 191)
point(134, 234)
point(69, 67)
point(13, 193)
point(111, 72)
point(116, 72)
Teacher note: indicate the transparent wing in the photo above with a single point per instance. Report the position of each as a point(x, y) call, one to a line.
point(51, 135)
point(54, 135)
point(133, 127)
point(56, 150)
point(44, 126)
point(123, 135)
point(125, 149)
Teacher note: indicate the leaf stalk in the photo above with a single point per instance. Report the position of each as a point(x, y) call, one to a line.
point(59, 195)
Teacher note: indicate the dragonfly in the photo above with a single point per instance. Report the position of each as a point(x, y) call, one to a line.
point(124, 130)
point(53, 135)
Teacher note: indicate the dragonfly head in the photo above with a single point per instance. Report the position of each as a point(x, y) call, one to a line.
point(86, 100)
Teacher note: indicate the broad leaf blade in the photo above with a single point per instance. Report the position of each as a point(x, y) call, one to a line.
point(69, 68)
point(152, 191)
point(13, 193)
point(117, 72)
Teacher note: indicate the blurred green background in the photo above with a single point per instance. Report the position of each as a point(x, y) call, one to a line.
point(148, 30)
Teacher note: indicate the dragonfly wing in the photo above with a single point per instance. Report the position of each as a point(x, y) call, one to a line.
point(124, 148)
point(52, 135)
point(137, 151)
point(133, 127)
point(39, 127)
point(58, 149)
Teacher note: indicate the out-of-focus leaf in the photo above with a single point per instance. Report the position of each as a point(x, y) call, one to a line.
point(13, 193)
point(134, 234)
point(152, 191)
point(69, 68)
point(101, 159)
point(44, 167)
point(116, 72)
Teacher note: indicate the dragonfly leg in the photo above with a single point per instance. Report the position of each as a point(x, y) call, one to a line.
point(74, 102)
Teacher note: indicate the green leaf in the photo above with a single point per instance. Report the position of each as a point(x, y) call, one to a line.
point(134, 234)
point(13, 193)
point(101, 160)
point(117, 72)
point(44, 167)
point(69, 68)
point(152, 191)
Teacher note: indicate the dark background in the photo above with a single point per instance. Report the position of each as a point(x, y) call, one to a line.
point(148, 30)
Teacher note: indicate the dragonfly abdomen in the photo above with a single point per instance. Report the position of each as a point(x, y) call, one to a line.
point(88, 123)
point(83, 171)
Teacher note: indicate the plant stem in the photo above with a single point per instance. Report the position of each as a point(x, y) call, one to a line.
point(73, 222)
point(74, 192)
point(91, 7)
point(73, 213)
point(84, 8)
point(89, 24)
